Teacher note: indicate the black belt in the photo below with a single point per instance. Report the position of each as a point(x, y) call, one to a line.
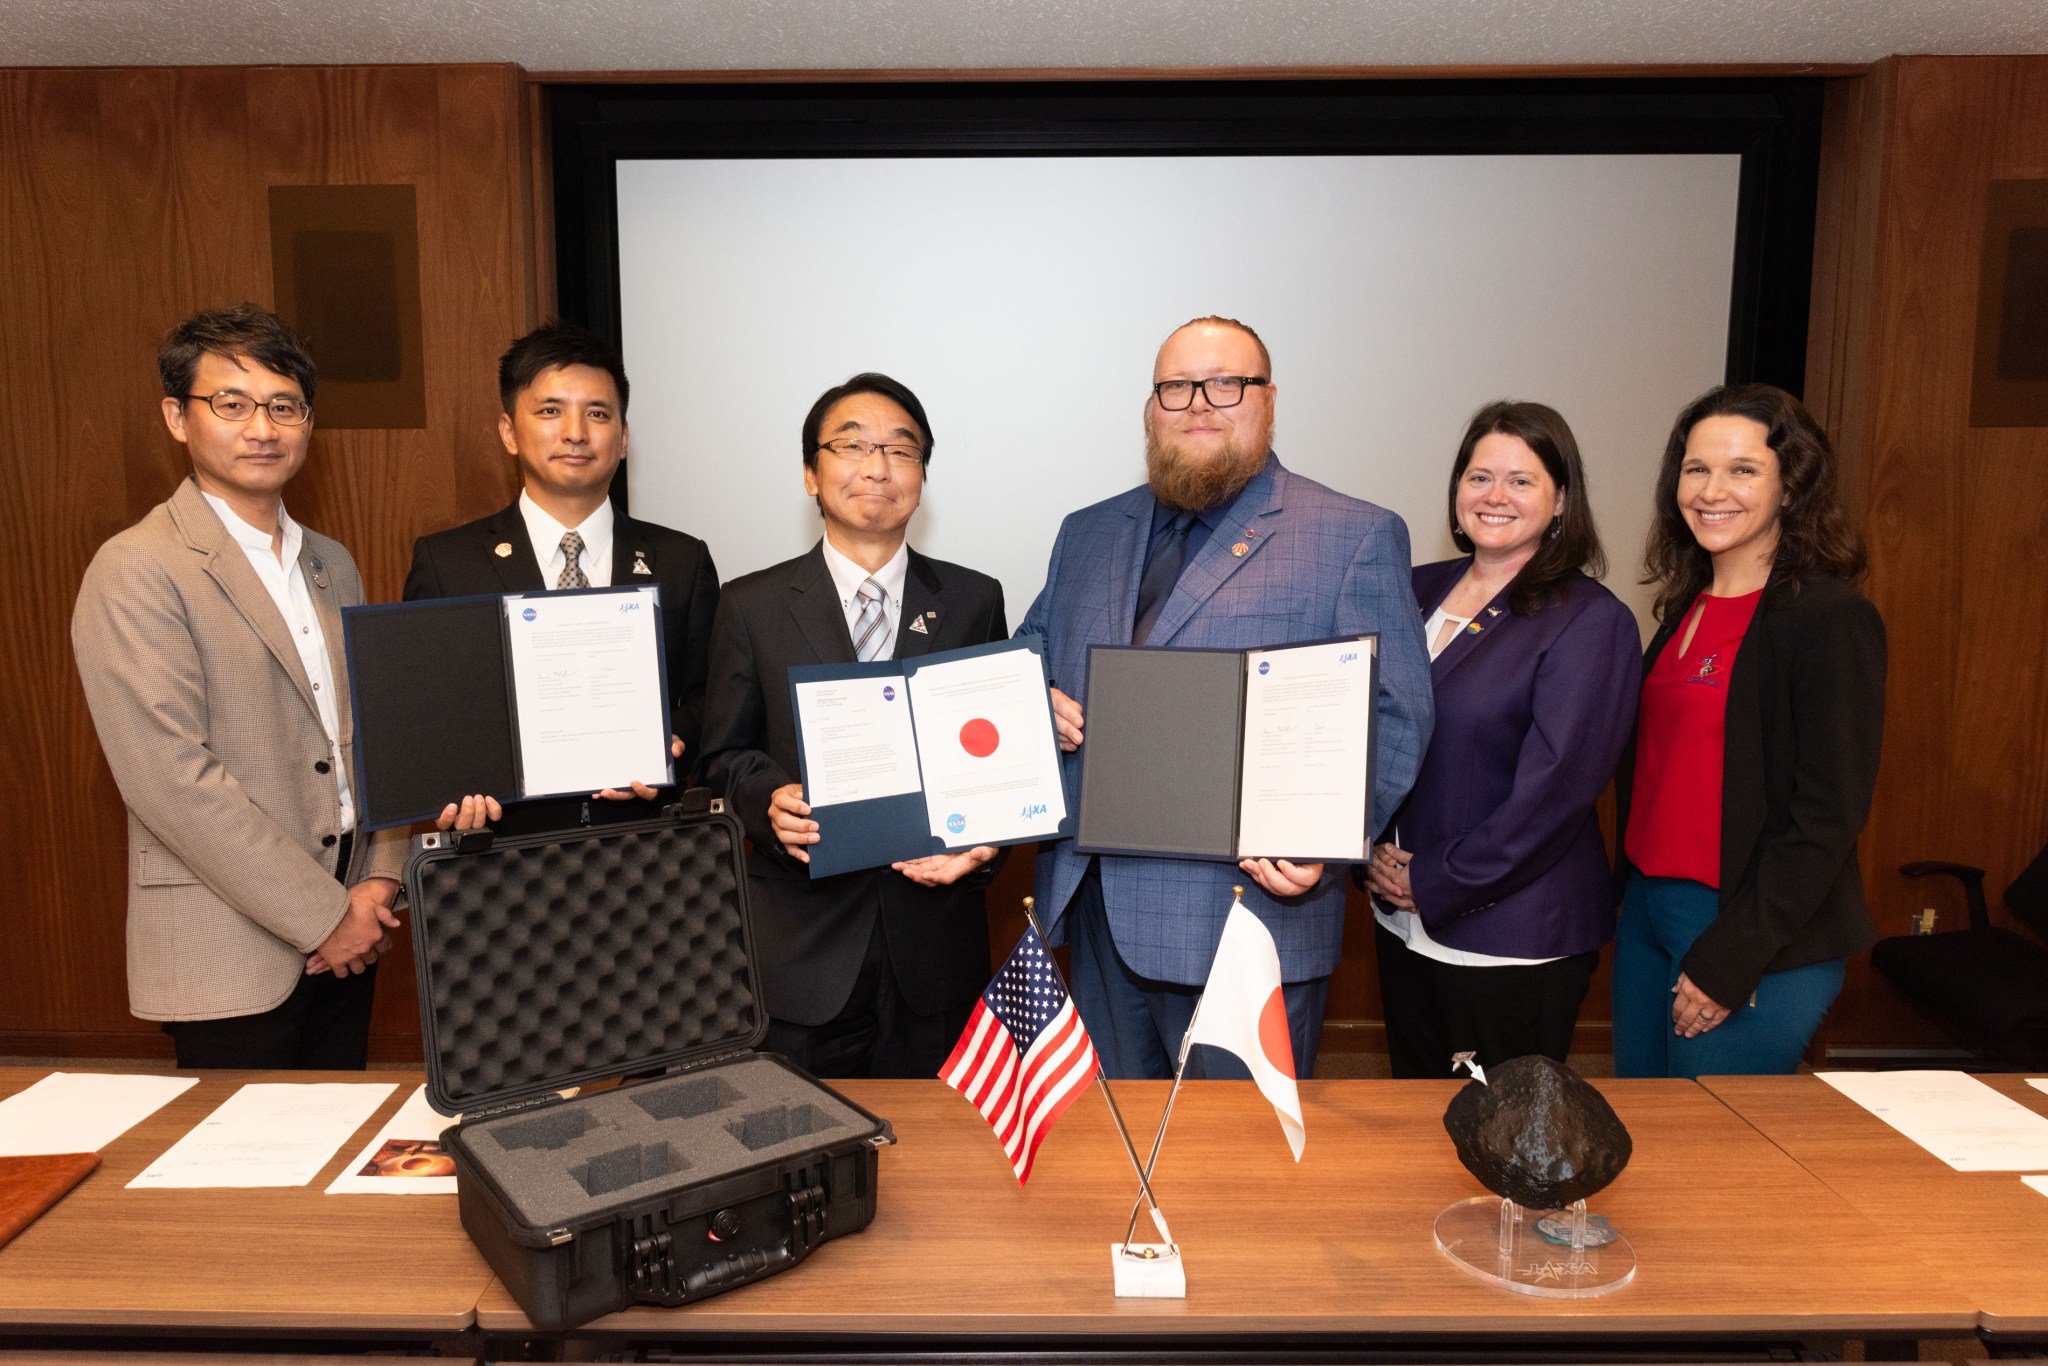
point(341, 853)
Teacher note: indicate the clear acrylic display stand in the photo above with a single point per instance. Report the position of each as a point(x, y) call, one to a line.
point(1499, 1242)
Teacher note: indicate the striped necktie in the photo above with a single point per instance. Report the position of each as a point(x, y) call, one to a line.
point(868, 635)
point(572, 575)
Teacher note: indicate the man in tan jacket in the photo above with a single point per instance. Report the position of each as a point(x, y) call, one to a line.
point(209, 642)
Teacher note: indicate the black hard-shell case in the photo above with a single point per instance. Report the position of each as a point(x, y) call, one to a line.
point(555, 960)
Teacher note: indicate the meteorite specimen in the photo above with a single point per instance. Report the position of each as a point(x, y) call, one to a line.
point(1537, 1134)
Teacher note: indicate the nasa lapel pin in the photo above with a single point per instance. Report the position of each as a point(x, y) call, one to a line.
point(319, 572)
point(640, 562)
point(503, 550)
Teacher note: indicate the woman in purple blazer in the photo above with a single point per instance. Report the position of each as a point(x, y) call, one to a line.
point(1492, 889)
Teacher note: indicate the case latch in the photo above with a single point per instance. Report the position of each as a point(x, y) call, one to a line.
point(650, 1262)
point(806, 1211)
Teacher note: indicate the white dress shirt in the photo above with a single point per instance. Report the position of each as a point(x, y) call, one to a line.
point(546, 534)
point(847, 577)
point(286, 583)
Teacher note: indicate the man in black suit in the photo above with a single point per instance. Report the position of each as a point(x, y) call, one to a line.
point(564, 395)
point(870, 973)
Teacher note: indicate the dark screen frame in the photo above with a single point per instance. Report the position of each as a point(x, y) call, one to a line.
point(1772, 122)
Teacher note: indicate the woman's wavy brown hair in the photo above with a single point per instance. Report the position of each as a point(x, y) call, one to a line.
point(1815, 532)
point(1572, 543)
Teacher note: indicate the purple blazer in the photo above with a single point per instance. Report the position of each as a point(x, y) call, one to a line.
point(1531, 717)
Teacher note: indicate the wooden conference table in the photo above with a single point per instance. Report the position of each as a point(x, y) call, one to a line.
point(1736, 1241)
point(276, 1261)
point(1986, 1230)
point(1337, 1250)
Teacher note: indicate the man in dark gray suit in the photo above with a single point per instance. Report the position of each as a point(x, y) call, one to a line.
point(1222, 548)
point(869, 973)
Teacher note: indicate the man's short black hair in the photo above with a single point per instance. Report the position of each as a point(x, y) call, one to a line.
point(868, 382)
point(243, 330)
point(551, 346)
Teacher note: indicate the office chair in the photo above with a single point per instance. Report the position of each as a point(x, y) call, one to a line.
point(1986, 983)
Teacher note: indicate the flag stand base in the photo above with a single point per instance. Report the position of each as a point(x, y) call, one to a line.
point(1148, 1271)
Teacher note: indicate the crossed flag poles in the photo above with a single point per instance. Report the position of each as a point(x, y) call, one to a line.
point(1025, 1055)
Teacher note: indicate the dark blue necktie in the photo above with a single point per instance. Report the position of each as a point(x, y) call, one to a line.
point(1162, 571)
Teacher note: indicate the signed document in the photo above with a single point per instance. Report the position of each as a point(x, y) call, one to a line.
point(1230, 754)
point(1308, 712)
point(934, 754)
point(858, 740)
point(991, 757)
point(590, 706)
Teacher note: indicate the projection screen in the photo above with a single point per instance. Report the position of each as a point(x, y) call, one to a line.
point(1023, 300)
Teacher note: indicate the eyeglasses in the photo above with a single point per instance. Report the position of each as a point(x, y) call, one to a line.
point(1221, 391)
point(230, 406)
point(897, 452)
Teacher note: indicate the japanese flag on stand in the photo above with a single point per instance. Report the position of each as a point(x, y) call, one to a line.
point(1242, 1010)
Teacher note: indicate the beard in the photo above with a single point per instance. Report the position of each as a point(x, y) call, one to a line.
point(1188, 483)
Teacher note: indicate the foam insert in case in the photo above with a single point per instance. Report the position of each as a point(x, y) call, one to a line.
point(552, 961)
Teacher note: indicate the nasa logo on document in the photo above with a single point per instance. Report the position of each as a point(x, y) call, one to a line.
point(956, 822)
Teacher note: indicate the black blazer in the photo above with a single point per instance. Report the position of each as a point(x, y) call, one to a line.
point(1804, 729)
point(810, 937)
point(465, 561)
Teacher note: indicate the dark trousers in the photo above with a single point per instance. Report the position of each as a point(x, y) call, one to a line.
point(1435, 1009)
point(1136, 1023)
point(876, 1034)
point(323, 1026)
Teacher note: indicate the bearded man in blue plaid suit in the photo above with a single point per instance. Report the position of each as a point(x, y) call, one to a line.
point(1223, 548)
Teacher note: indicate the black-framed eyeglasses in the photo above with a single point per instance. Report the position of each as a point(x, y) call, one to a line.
point(896, 452)
point(1221, 391)
point(230, 406)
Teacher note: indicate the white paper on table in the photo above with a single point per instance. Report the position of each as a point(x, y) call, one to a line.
point(2039, 1183)
point(267, 1134)
point(858, 741)
point(991, 759)
point(1952, 1115)
point(81, 1112)
point(414, 1136)
point(1305, 779)
point(2038, 1083)
point(586, 689)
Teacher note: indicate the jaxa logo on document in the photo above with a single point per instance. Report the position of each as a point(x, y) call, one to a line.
point(1035, 809)
point(1348, 657)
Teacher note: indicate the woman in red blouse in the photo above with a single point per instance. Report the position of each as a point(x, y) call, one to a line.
point(1756, 749)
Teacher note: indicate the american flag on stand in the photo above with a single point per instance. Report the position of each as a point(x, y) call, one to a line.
point(1024, 1056)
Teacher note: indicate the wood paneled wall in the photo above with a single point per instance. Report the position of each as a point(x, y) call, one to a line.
point(129, 199)
point(1957, 516)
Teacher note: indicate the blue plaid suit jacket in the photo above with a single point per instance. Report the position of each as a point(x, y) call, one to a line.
point(1317, 564)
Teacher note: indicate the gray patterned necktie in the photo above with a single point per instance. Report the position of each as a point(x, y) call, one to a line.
point(867, 627)
point(572, 567)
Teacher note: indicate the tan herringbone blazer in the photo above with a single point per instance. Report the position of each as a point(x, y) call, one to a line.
point(209, 724)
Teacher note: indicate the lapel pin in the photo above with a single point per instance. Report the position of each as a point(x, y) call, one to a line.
point(1240, 550)
point(1493, 611)
point(640, 562)
point(503, 550)
point(1474, 628)
point(917, 625)
point(931, 616)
